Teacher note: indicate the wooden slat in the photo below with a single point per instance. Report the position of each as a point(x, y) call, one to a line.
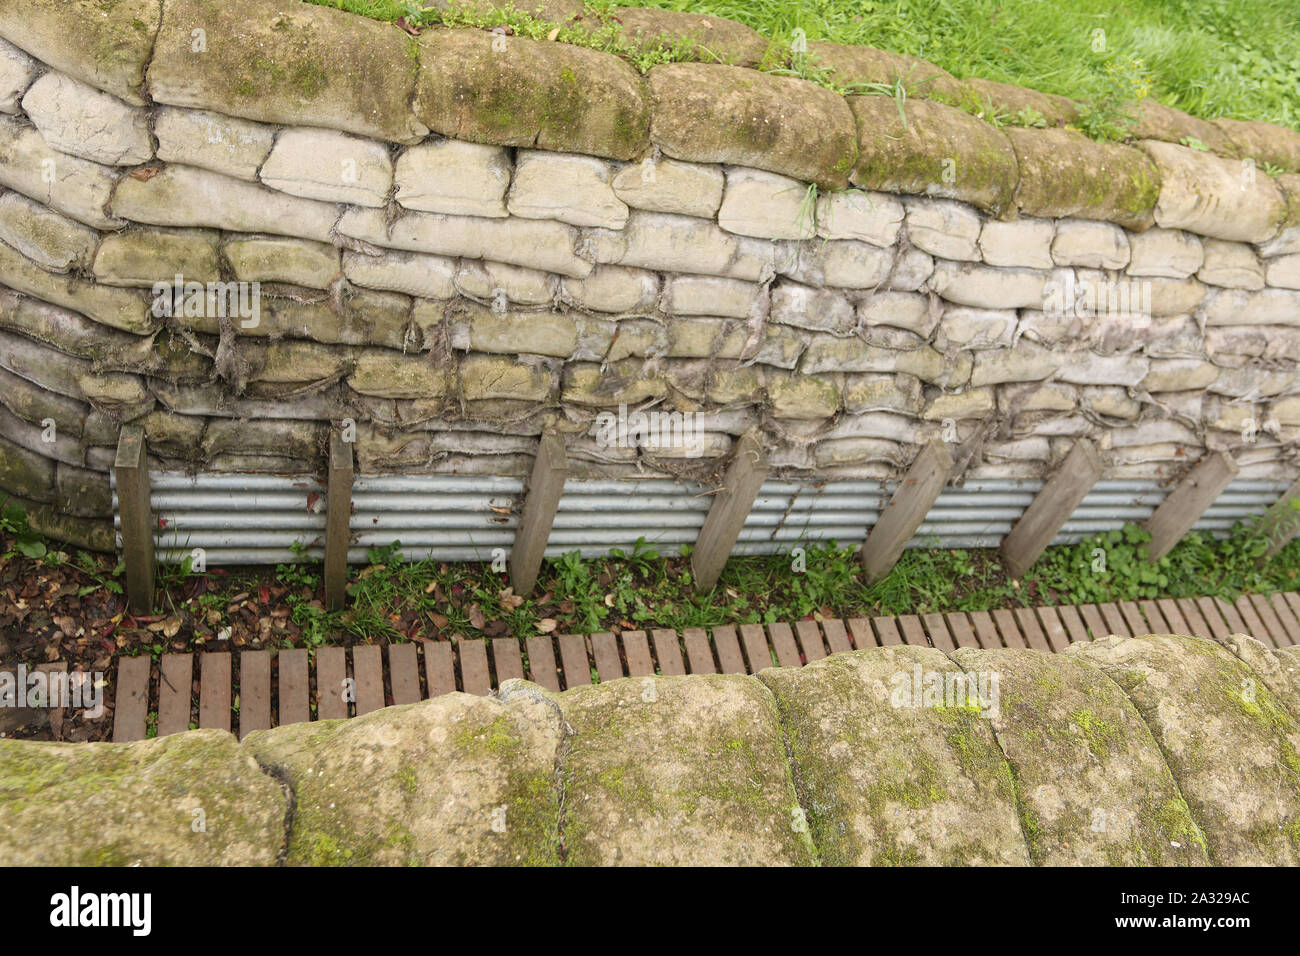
point(698, 652)
point(913, 632)
point(1213, 618)
point(1196, 623)
point(474, 675)
point(787, 651)
point(938, 631)
point(1133, 618)
point(131, 473)
point(1186, 503)
point(214, 691)
point(863, 635)
point(1006, 622)
point(368, 672)
point(668, 652)
point(1051, 507)
point(1092, 619)
point(541, 662)
point(573, 659)
point(962, 633)
point(1030, 629)
point(637, 649)
point(907, 508)
point(757, 651)
point(1290, 624)
point(1254, 626)
point(1272, 625)
point(1052, 629)
point(295, 694)
point(985, 630)
point(1110, 613)
point(506, 658)
point(1292, 601)
point(1230, 616)
point(175, 691)
point(331, 671)
point(440, 669)
point(541, 500)
point(730, 659)
point(1281, 521)
point(731, 506)
point(404, 673)
point(338, 520)
point(1075, 629)
point(1155, 620)
point(604, 648)
point(131, 709)
point(1173, 616)
point(836, 636)
point(810, 641)
point(254, 692)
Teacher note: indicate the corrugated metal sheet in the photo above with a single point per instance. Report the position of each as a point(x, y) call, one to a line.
point(257, 519)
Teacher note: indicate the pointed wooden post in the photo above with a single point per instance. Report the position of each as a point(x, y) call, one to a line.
point(131, 469)
point(541, 500)
point(907, 508)
point(731, 506)
point(1052, 507)
point(1281, 522)
point(1187, 502)
point(338, 520)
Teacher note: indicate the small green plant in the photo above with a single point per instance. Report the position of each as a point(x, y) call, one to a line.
point(1028, 116)
point(1191, 142)
point(1110, 115)
point(27, 542)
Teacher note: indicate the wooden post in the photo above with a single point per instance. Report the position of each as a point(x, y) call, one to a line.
point(1187, 502)
point(727, 514)
point(1052, 507)
point(911, 502)
point(338, 521)
point(1281, 522)
point(541, 500)
point(132, 470)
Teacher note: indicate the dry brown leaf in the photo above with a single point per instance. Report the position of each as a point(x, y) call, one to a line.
point(547, 624)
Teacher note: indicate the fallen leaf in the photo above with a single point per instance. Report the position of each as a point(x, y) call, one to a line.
point(476, 618)
point(553, 34)
point(547, 624)
point(145, 174)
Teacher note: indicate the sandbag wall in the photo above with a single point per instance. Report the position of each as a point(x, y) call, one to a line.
point(461, 240)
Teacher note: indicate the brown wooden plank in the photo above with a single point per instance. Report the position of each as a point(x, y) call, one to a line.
point(1288, 618)
point(368, 677)
point(404, 673)
point(887, 629)
point(636, 646)
point(1292, 601)
point(331, 672)
point(985, 630)
point(668, 652)
point(1092, 619)
point(906, 510)
point(295, 693)
point(730, 659)
point(1184, 506)
point(862, 634)
point(727, 513)
point(1196, 624)
point(505, 657)
point(1052, 628)
point(1213, 618)
point(1269, 618)
point(604, 648)
point(787, 651)
point(1174, 619)
point(938, 632)
point(1051, 507)
point(136, 521)
point(962, 633)
point(132, 700)
point(574, 661)
point(1254, 625)
point(1156, 622)
point(338, 521)
point(1110, 613)
point(474, 675)
point(541, 662)
point(810, 641)
point(1030, 629)
point(913, 632)
point(836, 636)
point(1230, 616)
point(1281, 521)
point(541, 500)
point(757, 651)
point(440, 668)
point(175, 691)
point(1133, 618)
point(214, 691)
point(1075, 629)
point(254, 692)
point(1006, 622)
point(698, 652)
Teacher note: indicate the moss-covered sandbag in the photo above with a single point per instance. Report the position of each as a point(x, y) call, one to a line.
point(513, 91)
point(711, 39)
point(1063, 174)
point(1091, 784)
point(888, 776)
point(1157, 121)
point(1225, 736)
point(1263, 142)
point(855, 68)
point(195, 799)
point(935, 150)
point(456, 780)
point(709, 113)
point(1021, 106)
point(678, 771)
point(287, 63)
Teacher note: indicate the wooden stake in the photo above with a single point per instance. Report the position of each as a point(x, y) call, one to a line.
point(541, 500)
point(338, 521)
point(1281, 522)
point(132, 471)
point(727, 514)
point(1052, 507)
point(1187, 502)
point(910, 503)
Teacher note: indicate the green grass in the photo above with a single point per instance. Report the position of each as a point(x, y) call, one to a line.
point(1237, 58)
